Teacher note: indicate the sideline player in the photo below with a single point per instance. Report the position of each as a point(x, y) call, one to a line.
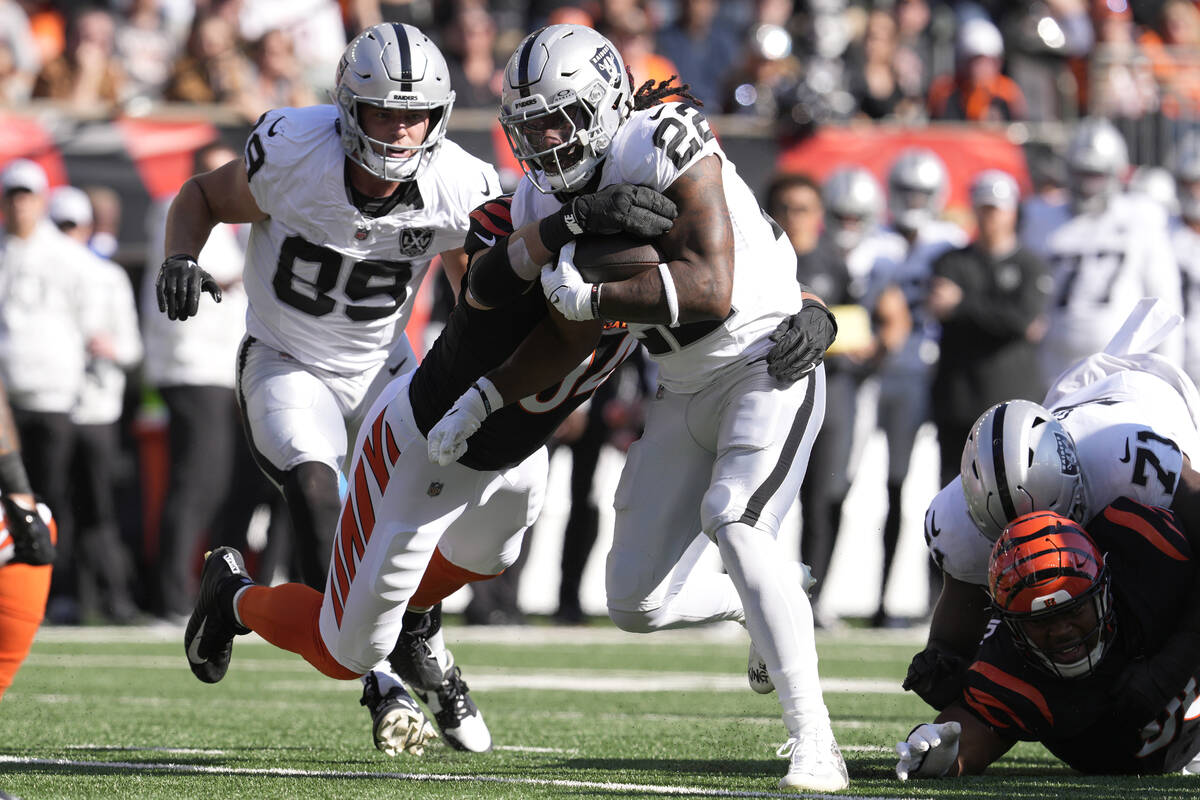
point(26, 553)
point(726, 443)
point(1122, 422)
point(1098, 657)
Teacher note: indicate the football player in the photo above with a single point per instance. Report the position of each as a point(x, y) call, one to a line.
point(349, 204)
point(1098, 656)
point(1120, 423)
point(26, 553)
point(726, 442)
point(1112, 251)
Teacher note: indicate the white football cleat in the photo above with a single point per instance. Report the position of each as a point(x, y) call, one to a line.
point(816, 763)
point(456, 714)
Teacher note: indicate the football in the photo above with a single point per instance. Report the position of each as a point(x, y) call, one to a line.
point(614, 257)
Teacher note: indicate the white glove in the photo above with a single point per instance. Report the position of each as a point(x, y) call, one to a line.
point(448, 438)
point(566, 289)
point(929, 752)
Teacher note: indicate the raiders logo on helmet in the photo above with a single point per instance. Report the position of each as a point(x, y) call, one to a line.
point(415, 241)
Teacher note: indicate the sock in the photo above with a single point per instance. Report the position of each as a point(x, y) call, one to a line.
point(23, 593)
point(779, 619)
point(442, 579)
point(288, 616)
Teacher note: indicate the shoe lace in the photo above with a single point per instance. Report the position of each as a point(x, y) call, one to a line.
point(455, 696)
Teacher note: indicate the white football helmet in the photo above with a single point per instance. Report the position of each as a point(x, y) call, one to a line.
point(563, 78)
point(1096, 162)
point(392, 65)
point(1186, 171)
point(853, 203)
point(917, 184)
point(1019, 458)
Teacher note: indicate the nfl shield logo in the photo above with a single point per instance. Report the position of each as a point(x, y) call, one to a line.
point(415, 241)
point(435, 489)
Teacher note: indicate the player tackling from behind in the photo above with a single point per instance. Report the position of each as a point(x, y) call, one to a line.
point(726, 442)
point(1095, 658)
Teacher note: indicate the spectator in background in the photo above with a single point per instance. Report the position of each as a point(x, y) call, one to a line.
point(1048, 43)
point(1121, 82)
point(277, 81)
point(850, 209)
point(990, 299)
point(1171, 46)
point(633, 34)
point(917, 188)
point(103, 566)
point(87, 76)
point(211, 69)
point(19, 57)
point(1049, 205)
point(192, 366)
point(977, 91)
point(44, 279)
point(1113, 251)
point(703, 51)
point(106, 220)
point(471, 56)
point(872, 79)
point(146, 46)
point(766, 78)
point(924, 35)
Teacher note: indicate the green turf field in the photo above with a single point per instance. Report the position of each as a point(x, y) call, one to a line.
point(578, 713)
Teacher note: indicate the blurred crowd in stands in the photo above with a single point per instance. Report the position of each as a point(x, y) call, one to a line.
point(910, 283)
point(801, 62)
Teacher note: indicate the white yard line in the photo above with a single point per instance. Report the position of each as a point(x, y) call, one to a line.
point(195, 769)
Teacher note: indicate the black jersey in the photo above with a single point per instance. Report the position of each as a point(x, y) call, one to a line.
point(1153, 570)
point(474, 342)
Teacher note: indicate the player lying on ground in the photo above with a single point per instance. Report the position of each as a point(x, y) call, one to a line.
point(1122, 422)
point(1097, 656)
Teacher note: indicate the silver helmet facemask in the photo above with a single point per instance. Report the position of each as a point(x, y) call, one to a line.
point(392, 66)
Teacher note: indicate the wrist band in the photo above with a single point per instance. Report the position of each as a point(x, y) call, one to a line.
point(596, 300)
point(491, 396)
point(672, 296)
point(555, 231)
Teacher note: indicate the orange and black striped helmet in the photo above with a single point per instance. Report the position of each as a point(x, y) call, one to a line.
point(1044, 564)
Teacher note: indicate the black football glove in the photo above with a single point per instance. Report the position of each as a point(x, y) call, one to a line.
point(32, 543)
point(624, 208)
point(936, 676)
point(1144, 688)
point(180, 282)
point(800, 342)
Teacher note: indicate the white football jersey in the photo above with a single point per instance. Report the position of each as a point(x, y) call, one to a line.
point(911, 272)
point(1185, 243)
point(1102, 265)
point(328, 285)
point(1131, 430)
point(880, 244)
point(653, 148)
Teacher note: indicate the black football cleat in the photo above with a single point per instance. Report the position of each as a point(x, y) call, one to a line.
point(397, 723)
point(413, 659)
point(208, 638)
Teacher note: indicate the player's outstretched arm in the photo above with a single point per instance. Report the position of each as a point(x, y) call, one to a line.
point(512, 263)
point(954, 744)
point(550, 351)
point(959, 621)
point(222, 195)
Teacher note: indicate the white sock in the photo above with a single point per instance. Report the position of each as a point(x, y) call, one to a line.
point(386, 676)
point(779, 619)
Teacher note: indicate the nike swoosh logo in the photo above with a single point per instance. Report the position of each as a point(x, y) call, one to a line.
point(488, 240)
point(193, 652)
point(1125, 460)
point(658, 113)
point(487, 187)
point(395, 369)
point(271, 130)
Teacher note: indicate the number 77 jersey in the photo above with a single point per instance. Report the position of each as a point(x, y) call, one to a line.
point(327, 284)
point(1131, 430)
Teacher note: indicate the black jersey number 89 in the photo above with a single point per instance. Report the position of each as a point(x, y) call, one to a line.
point(366, 279)
point(681, 134)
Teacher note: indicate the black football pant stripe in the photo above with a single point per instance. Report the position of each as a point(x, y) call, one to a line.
point(765, 490)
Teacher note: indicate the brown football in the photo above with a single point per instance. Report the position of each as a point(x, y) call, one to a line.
point(614, 257)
